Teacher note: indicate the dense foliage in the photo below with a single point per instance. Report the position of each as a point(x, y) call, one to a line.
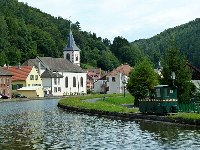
point(173, 61)
point(142, 80)
point(187, 41)
point(26, 32)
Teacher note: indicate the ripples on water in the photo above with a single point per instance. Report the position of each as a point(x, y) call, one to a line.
point(41, 125)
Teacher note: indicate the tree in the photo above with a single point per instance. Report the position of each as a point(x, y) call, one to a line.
point(118, 43)
point(142, 79)
point(107, 60)
point(131, 54)
point(175, 62)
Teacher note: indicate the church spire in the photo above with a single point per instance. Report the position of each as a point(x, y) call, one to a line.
point(71, 45)
point(71, 52)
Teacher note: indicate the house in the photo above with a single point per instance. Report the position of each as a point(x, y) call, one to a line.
point(90, 83)
point(95, 73)
point(100, 85)
point(117, 79)
point(195, 74)
point(5, 82)
point(92, 76)
point(61, 76)
point(23, 76)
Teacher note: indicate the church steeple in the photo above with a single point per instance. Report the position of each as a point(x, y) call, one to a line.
point(71, 45)
point(71, 51)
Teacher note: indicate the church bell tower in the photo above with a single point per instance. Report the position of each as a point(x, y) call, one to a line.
point(71, 51)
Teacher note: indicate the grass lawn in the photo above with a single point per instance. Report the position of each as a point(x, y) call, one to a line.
point(111, 102)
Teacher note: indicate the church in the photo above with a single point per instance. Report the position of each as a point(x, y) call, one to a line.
point(61, 76)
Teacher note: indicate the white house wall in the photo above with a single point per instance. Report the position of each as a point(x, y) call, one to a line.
point(114, 87)
point(98, 86)
point(119, 85)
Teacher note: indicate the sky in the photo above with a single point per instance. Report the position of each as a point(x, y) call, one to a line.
point(131, 19)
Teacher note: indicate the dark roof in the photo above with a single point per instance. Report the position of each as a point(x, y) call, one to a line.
point(4, 72)
point(195, 71)
point(71, 45)
point(54, 64)
point(50, 74)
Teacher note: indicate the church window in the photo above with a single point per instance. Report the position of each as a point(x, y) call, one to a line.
point(76, 58)
point(55, 89)
point(74, 81)
point(68, 56)
point(81, 81)
point(55, 81)
point(58, 81)
point(66, 82)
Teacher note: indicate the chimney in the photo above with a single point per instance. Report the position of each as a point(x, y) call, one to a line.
point(39, 68)
point(8, 66)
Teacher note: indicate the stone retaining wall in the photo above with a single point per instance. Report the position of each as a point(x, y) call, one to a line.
point(130, 116)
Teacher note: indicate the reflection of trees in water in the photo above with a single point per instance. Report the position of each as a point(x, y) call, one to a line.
point(166, 132)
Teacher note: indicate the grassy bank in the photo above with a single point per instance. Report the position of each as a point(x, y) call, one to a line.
point(111, 103)
point(186, 116)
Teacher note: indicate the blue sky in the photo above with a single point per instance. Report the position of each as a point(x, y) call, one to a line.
point(131, 19)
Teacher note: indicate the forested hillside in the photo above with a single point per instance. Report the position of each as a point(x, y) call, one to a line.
point(26, 32)
point(185, 37)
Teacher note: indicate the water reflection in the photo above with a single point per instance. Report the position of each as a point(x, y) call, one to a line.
point(41, 125)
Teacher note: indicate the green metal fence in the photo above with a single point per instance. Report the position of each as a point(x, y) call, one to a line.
point(189, 107)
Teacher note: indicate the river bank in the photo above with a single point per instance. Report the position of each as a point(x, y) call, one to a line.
point(113, 110)
point(28, 99)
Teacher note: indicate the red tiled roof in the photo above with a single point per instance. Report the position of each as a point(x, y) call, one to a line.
point(19, 74)
point(124, 69)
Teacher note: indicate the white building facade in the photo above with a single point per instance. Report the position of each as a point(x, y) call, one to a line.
point(62, 76)
point(116, 83)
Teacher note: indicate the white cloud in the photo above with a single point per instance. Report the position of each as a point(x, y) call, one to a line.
point(132, 19)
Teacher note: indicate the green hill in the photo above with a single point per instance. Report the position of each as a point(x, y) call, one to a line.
point(26, 32)
point(186, 38)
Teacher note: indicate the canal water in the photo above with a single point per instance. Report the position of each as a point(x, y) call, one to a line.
point(41, 125)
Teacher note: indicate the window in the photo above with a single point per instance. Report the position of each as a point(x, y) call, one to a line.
point(31, 77)
point(158, 92)
point(17, 86)
point(81, 81)
point(55, 81)
point(36, 77)
point(113, 79)
point(59, 89)
point(66, 82)
point(76, 58)
point(7, 80)
point(55, 89)
point(58, 81)
point(74, 82)
point(68, 56)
